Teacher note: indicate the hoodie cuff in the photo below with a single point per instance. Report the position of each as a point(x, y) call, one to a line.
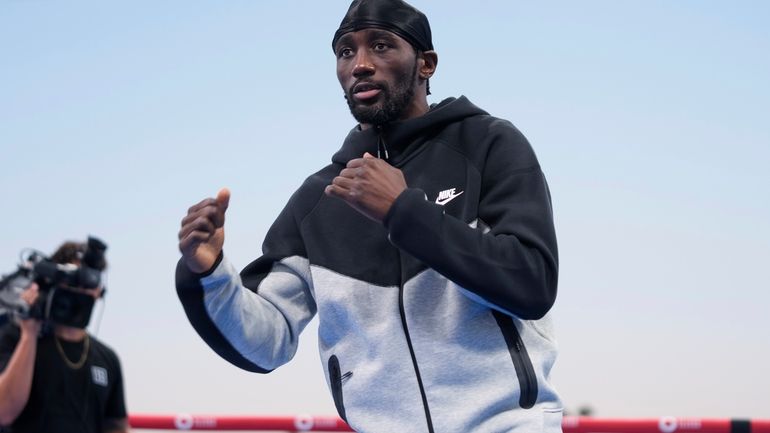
point(411, 218)
point(403, 200)
point(185, 278)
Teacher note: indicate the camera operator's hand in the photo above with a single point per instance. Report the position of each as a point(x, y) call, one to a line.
point(203, 233)
point(30, 326)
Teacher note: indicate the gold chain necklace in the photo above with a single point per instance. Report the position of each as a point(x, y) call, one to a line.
point(83, 357)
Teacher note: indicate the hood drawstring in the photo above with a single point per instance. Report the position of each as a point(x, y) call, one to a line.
point(382, 150)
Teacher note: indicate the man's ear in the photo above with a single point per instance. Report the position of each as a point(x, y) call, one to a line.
point(429, 61)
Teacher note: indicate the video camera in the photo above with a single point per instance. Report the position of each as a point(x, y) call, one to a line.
point(61, 300)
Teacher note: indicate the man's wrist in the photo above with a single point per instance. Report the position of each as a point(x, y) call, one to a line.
point(29, 333)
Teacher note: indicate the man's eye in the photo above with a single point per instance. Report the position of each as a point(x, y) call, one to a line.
point(344, 52)
point(380, 47)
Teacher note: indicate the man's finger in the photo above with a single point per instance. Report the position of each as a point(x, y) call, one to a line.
point(223, 198)
point(188, 242)
point(212, 212)
point(201, 224)
point(337, 190)
point(368, 155)
point(351, 173)
point(343, 182)
point(353, 163)
point(222, 201)
point(201, 204)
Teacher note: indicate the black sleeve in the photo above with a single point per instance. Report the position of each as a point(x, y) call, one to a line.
point(514, 264)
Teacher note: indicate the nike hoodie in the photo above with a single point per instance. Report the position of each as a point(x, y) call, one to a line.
point(434, 321)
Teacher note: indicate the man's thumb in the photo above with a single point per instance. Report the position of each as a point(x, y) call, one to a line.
point(368, 155)
point(223, 198)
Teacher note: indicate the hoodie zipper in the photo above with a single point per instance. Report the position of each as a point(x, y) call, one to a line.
point(411, 353)
point(521, 362)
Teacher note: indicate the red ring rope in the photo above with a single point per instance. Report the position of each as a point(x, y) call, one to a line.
point(571, 424)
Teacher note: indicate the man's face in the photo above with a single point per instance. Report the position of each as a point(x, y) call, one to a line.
point(378, 73)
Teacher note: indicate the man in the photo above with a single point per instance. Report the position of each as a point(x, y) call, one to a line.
point(63, 379)
point(426, 248)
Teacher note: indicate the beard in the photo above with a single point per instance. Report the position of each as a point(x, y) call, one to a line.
point(394, 102)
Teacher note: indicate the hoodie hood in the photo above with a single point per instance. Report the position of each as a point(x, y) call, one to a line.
point(397, 136)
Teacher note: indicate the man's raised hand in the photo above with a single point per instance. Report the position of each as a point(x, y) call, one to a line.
point(203, 232)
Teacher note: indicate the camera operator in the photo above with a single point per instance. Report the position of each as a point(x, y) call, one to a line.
point(54, 375)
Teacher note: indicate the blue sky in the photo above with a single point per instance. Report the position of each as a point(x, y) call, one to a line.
point(649, 119)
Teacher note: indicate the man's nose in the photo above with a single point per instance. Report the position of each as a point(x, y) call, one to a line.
point(363, 65)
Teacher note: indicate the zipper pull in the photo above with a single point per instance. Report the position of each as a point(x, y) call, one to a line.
point(382, 150)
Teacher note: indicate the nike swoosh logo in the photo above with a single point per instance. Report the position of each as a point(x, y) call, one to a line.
point(446, 200)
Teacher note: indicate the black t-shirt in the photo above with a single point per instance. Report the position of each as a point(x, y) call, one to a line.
point(63, 399)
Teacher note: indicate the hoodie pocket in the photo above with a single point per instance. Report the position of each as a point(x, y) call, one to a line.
point(336, 379)
point(521, 362)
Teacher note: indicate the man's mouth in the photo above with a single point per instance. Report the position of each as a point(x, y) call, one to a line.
point(366, 91)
